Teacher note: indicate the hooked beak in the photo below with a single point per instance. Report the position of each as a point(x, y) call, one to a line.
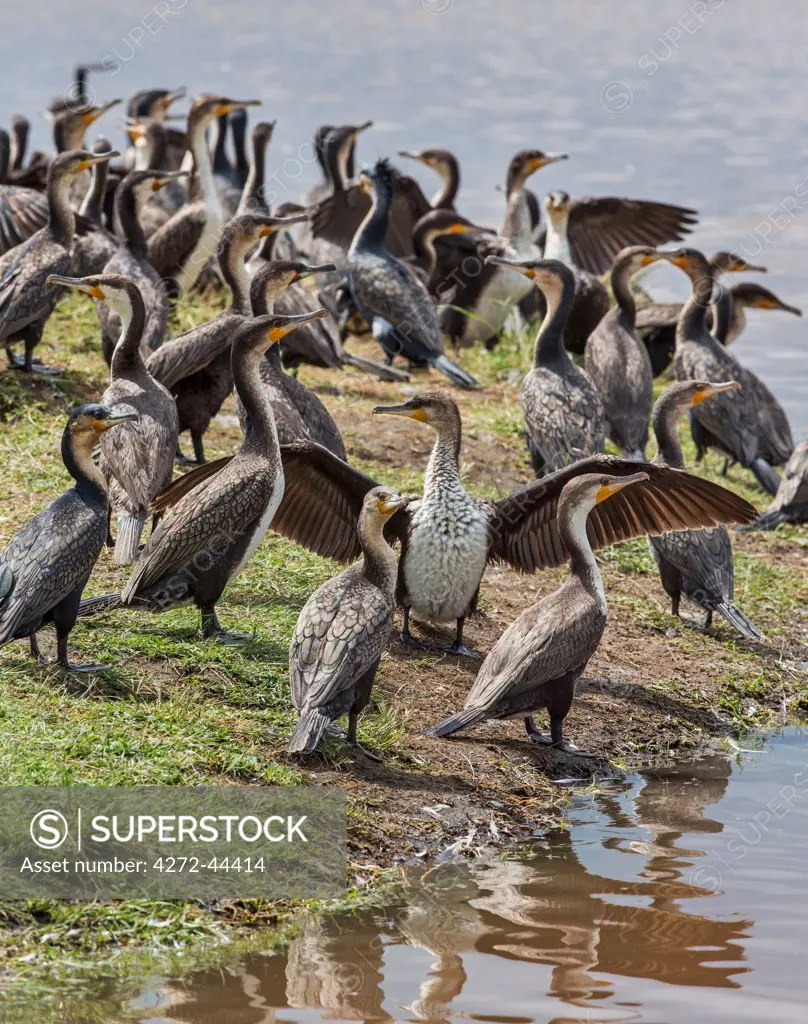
point(387, 508)
point(503, 261)
point(98, 158)
point(363, 127)
point(96, 112)
point(321, 268)
point(401, 410)
point(547, 159)
point(78, 283)
point(715, 389)
point(172, 97)
point(231, 105)
point(411, 155)
point(651, 257)
point(676, 258)
point(281, 222)
point(100, 426)
point(607, 490)
point(166, 177)
point(293, 322)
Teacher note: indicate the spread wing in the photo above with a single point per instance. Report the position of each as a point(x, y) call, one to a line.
point(524, 528)
point(337, 217)
point(599, 227)
point(340, 634)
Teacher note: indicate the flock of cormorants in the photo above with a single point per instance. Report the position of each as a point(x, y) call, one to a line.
point(178, 213)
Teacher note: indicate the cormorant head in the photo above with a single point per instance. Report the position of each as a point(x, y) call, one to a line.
point(582, 493)
point(89, 421)
point(271, 279)
point(144, 184)
point(381, 175)
point(693, 262)
point(446, 222)
point(527, 162)
point(263, 331)
point(635, 257)
point(548, 275)
point(207, 108)
point(117, 291)
point(433, 407)
point(153, 103)
point(732, 263)
point(75, 161)
point(382, 502)
point(755, 296)
point(262, 132)
point(440, 160)
point(678, 398)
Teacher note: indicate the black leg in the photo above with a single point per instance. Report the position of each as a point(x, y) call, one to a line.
point(110, 540)
point(675, 604)
point(35, 652)
point(407, 637)
point(708, 620)
point(353, 719)
point(199, 448)
point(458, 647)
point(212, 629)
point(66, 663)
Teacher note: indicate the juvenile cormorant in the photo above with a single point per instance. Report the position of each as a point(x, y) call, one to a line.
point(196, 366)
point(137, 463)
point(564, 416)
point(733, 418)
point(343, 630)
point(445, 164)
point(449, 537)
point(538, 659)
point(214, 530)
point(696, 563)
point(26, 300)
point(390, 296)
point(618, 362)
point(182, 246)
point(46, 564)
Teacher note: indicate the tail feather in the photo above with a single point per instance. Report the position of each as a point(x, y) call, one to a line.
point(377, 369)
point(464, 718)
point(456, 374)
point(765, 475)
point(736, 618)
point(97, 605)
point(307, 734)
point(127, 538)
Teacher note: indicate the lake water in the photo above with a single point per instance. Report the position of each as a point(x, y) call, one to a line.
point(699, 103)
point(670, 898)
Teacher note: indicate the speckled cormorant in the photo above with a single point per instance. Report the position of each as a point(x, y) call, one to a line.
point(656, 323)
point(538, 659)
point(131, 259)
point(196, 366)
point(564, 416)
point(790, 504)
point(733, 418)
point(26, 301)
point(137, 463)
point(449, 537)
point(181, 247)
point(343, 630)
point(214, 530)
point(618, 362)
point(696, 563)
point(46, 564)
point(390, 296)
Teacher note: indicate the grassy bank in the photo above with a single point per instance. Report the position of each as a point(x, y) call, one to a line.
point(171, 709)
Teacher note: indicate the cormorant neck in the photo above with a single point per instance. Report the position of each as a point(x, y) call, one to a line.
point(583, 567)
point(444, 198)
point(93, 202)
point(443, 468)
point(251, 196)
point(332, 169)
point(61, 220)
point(550, 349)
point(556, 245)
point(19, 143)
point(202, 162)
point(127, 358)
point(722, 309)
point(691, 319)
point(374, 227)
point(235, 273)
point(127, 222)
point(77, 455)
point(621, 289)
point(379, 557)
point(260, 431)
point(220, 161)
point(667, 413)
